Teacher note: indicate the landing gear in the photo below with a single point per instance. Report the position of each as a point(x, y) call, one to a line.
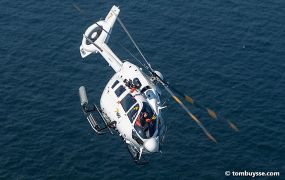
point(136, 155)
point(98, 128)
point(92, 112)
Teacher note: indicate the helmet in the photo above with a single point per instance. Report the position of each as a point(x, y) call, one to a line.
point(137, 83)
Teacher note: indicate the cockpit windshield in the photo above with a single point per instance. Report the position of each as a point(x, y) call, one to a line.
point(145, 123)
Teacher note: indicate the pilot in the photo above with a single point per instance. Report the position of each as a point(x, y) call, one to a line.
point(144, 121)
point(145, 117)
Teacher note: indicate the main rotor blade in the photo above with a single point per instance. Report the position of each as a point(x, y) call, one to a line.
point(87, 15)
point(211, 112)
point(233, 126)
point(79, 9)
point(134, 43)
point(193, 117)
point(129, 52)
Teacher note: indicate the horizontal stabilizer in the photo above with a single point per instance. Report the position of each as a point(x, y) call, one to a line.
point(83, 52)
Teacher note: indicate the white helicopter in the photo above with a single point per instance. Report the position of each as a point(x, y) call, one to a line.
point(131, 101)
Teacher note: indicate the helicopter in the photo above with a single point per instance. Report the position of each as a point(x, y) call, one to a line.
point(131, 104)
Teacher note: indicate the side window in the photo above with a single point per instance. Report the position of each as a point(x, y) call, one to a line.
point(119, 91)
point(115, 83)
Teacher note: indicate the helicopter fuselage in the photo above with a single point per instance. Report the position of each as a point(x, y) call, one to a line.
point(124, 104)
point(130, 102)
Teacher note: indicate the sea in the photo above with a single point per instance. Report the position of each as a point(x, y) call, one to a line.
point(228, 55)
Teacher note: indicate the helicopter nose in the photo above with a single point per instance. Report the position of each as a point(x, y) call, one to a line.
point(151, 145)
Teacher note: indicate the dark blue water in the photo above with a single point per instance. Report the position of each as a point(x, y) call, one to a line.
point(227, 54)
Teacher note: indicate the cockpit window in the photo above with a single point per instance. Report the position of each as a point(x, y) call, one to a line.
point(119, 91)
point(145, 88)
point(145, 124)
point(133, 112)
point(115, 83)
point(127, 102)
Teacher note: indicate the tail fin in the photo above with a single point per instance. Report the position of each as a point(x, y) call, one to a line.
point(112, 16)
point(98, 33)
point(95, 39)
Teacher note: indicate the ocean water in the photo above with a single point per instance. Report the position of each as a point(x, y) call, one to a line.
point(228, 55)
